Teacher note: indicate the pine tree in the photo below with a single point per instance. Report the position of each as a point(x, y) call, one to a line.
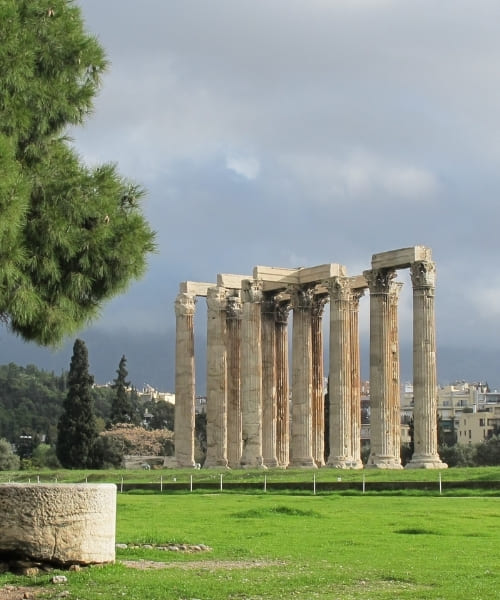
point(121, 406)
point(76, 430)
point(71, 236)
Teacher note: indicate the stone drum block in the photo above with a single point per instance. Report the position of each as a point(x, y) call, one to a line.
point(61, 524)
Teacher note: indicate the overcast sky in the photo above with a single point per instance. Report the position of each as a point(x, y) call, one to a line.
point(295, 133)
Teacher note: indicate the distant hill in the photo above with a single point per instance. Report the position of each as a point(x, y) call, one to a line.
point(31, 403)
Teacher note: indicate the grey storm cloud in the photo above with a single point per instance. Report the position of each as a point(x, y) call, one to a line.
point(295, 133)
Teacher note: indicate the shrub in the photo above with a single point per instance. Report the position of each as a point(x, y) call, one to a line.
point(8, 460)
point(458, 455)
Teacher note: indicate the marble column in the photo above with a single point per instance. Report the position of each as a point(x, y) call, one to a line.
point(269, 412)
point(233, 324)
point(251, 375)
point(216, 379)
point(395, 399)
point(380, 282)
point(423, 276)
point(340, 374)
point(357, 463)
point(282, 385)
point(301, 447)
point(184, 380)
point(318, 394)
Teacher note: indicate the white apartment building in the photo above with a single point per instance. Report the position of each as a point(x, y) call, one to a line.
point(468, 409)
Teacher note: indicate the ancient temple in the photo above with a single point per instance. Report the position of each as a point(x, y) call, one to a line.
point(259, 414)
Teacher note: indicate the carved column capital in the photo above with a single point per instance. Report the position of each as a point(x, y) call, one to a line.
point(216, 299)
point(356, 295)
point(302, 297)
point(233, 307)
point(283, 308)
point(394, 291)
point(185, 305)
point(251, 291)
point(318, 305)
point(423, 275)
point(338, 288)
point(379, 280)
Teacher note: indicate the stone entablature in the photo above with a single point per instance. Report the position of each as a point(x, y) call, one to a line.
point(248, 404)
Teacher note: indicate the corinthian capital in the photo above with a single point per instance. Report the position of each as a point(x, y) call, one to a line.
point(216, 299)
point(302, 297)
point(379, 280)
point(233, 307)
point(356, 295)
point(423, 274)
point(251, 291)
point(185, 304)
point(318, 305)
point(338, 288)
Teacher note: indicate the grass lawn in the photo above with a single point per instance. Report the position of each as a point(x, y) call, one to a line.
point(292, 546)
point(256, 475)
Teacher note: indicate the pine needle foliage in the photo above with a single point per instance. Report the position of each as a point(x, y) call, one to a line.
point(71, 236)
point(77, 429)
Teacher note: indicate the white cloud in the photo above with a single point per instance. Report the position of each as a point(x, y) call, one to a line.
point(487, 302)
point(361, 175)
point(245, 166)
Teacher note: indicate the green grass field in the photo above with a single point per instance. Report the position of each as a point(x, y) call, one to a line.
point(298, 546)
point(242, 475)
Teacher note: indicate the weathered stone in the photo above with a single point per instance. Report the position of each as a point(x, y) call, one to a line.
point(248, 400)
point(58, 524)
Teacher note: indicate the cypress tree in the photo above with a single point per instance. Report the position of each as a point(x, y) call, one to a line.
point(121, 405)
point(71, 236)
point(76, 430)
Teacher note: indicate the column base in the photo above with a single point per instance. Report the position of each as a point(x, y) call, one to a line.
point(320, 463)
point(271, 463)
point(383, 462)
point(303, 463)
point(357, 464)
point(186, 464)
point(216, 464)
point(339, 462)
point(426, 462)
point(256, 463)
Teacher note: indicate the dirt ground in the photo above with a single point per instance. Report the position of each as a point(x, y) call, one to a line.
point(198, 564)
point(16, 592)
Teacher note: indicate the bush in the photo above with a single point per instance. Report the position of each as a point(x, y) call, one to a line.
point(44, 457)
point(458, 455)
point(488, 452)
point(107, 453)
point(8, 460)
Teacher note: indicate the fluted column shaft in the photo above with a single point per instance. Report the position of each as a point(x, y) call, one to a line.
point(282, 386)
point(184, 380)
point(301, 448)
point(233, 324)
point(269, 383)
point(395, 399)
point(251, 375)
point(381, 421)
point(216, 379)
point(357, 463)
point(318, 395)
point(425, 454)
point(340, 374)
